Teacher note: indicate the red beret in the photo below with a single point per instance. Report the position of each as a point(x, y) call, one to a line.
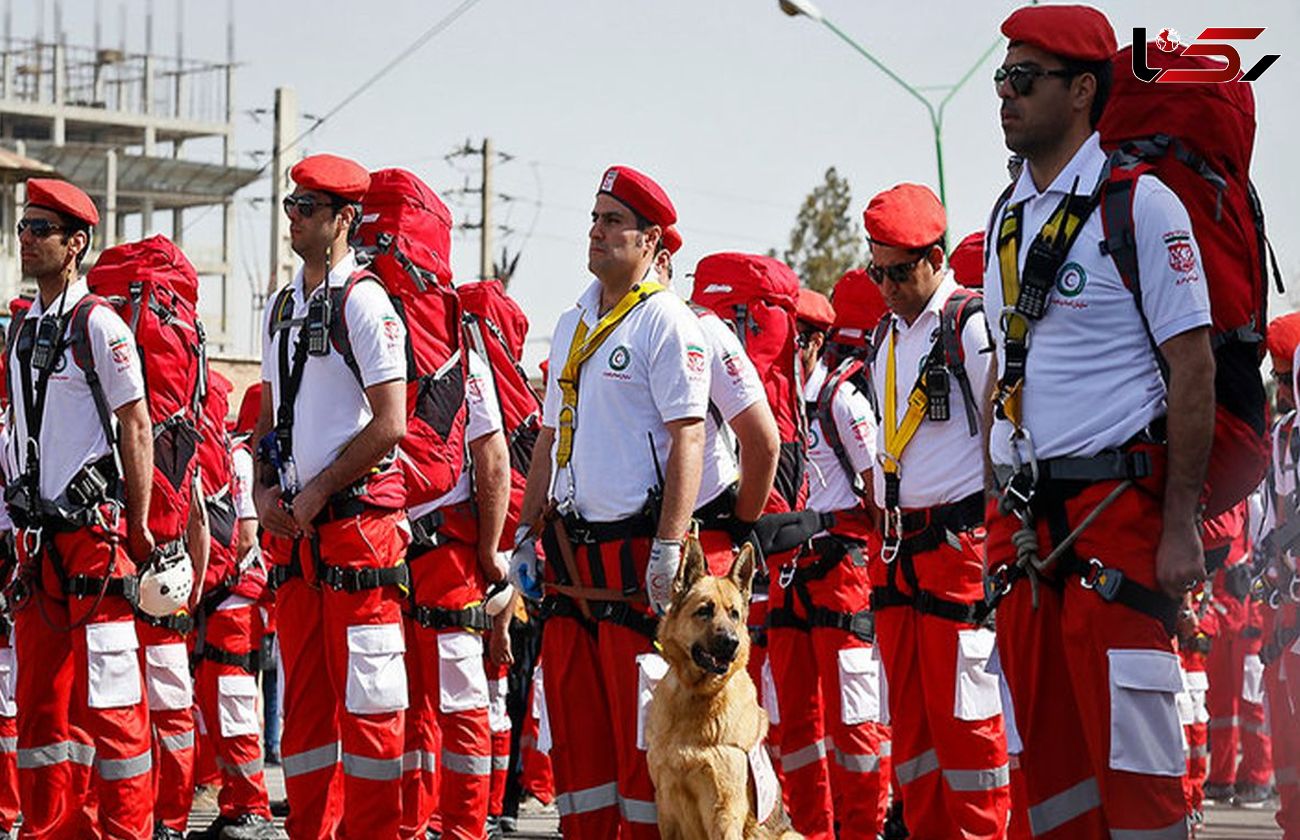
point(250, 408)
point(1283, 337)
point(61, 197)
point(19, 304)
point(907, 216)
point(967, 261)
point(859, 306)
point(637, 191)
point(814, 309)
point(332, 174)
point(672, 239)
point(1078, 32)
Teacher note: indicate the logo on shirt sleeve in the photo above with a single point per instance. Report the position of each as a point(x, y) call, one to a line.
point(121, 350)
point(695, 359)
point(731, 362)
point(474, 387)
point(1182, 257)
point(392, 330)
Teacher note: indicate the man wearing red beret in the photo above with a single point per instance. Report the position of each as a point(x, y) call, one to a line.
point(616, 472)
point(332, 500)
point(1099, 459)
point(929, 362)
point(826, 676)
point(81, 532)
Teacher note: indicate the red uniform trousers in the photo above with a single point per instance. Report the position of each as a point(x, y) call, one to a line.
point(228, 694)
point(830, 696)
point(344, 684)
point(535, 775)
point(1072, 659)
point(1236, 696)
point(949, 745)
point(165, 657)
point(1194, 717)
point(499, 723)
point(454, 685)
point(598, 689)
point(1282, 689)
point(8, 735)
point(84, 758)
point(420, 760)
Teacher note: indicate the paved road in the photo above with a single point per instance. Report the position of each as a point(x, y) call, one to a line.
point(1221, 822)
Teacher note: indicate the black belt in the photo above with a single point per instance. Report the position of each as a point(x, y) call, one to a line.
point(424, 531)
point(441, 618)
point(88, 586)
point(861, 624)
point(962, 515)
point(785, 618)
point(181, 623)
point(1063, 478)
point(884, 597)
point(758, 636)
point(584, 532)
point(341, 508)
point(356, 580)
point(555, 605)
point(250, 662)
point(622, 614)
point(1215, 558)
point(281, 573)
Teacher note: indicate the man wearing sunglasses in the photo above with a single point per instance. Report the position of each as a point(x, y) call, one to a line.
point(949, 750)
point(333, 503)
point(81, 532)
point(1091, 443)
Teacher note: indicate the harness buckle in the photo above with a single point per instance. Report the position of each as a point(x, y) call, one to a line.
point(893, 535)
point(1294, 589)
point(786, 575)
point(32, 541)
point(997, 584)
point(1101, 579)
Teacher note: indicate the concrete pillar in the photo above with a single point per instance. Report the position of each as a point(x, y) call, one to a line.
point(109, 231)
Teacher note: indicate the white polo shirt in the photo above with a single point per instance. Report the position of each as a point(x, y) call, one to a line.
point(942, 463)
point(1092, 381)
point(241, 483)
point(829, 486)
point(734, 386)
point(71, 433)
point(483, 418)
point(1284, 466)
point(331, 409)
point(651, 370)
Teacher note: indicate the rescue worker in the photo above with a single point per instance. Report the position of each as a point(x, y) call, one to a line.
point(1085, 642)
point(9, 809)
point(930, 360)
point(81, 533)
point(331, 498)
point(819, 626)
point(453, 559)
point(616, 471)
point(1197, 628)
point(230, 653)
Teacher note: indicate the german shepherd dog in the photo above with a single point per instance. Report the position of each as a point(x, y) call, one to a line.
point(704, 729)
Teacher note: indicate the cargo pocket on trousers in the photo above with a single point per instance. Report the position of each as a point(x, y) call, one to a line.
point(1252, 679)
point(462, 682)
point(376, 682)
point(1197, 683)
point(859, 686)
point(237, 705)
point(113, 665)
point(167, 677)
point(770, 703)
point(1145, 736)
point(650, 669)
point(8, 682)
point(977, 694)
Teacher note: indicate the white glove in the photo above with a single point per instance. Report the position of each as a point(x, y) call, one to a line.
point(525, 566)
point(665, 558)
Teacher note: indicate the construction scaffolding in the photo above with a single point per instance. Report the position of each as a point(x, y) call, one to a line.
point(122, 126)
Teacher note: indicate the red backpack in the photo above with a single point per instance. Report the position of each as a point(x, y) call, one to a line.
point(496, 328)
point(1198, 139)
point(405, 233)
point(154, 288)
point(756, 296)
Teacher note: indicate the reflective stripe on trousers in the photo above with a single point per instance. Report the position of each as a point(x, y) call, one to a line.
point(1176, 831)
point(467, 765)
point(968, 780)
point(1058, 810)
point(373, 769)
point(587, 800)
point(914, 768)
point(116, 769)
point(803, 756)
point(51, 754)
point(179, 741)
point(638, 811)
point(248, 769)
point(309, 761)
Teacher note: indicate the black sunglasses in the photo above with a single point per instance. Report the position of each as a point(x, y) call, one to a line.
point(40, 228)
point(305, 205)
point(1022, 76)
point(899, 272)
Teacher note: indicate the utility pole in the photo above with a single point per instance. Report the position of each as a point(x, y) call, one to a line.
point(485, 219)
point(286, 129)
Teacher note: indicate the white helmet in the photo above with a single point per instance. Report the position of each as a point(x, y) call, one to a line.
point(498, 597)
point(166, 583)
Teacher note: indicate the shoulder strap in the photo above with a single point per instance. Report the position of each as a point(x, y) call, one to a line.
point(957, 311)
point(1120, 237)
point(340, 340)
point(84, 357)
point(281, 311)
point(825, 406)
point(990, 229)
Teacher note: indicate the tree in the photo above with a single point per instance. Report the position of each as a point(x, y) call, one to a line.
point(825, 242)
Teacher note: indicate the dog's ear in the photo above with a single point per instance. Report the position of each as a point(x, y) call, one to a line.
point(693, 568)
point(742, 570)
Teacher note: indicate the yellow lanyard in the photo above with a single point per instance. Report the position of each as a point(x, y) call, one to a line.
point(899, 435)
point(580, 349)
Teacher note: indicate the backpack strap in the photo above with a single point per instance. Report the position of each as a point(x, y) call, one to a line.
point(850, 369)
point(84, 357)
point(990, 229)
point(875, 340)
point(957, 311)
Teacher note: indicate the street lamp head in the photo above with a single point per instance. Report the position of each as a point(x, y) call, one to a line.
point(794, 8)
